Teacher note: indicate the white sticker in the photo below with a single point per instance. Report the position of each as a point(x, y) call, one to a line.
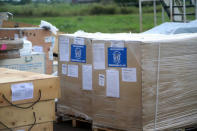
point(79, 41)
point(101, 80)
point(99, 56)
point(112, 82)
point(64, 69)
point(129, 75)
point(64, 49)
point(22, 91)
point(20, 130)
point(38, 49)
point(48, 39)
point(87, 77)
point(52, 41)
point(73, 71)
point(116, 43)
point(16, 36)
point(51, 53)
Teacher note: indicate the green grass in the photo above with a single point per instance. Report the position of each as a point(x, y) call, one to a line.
point(63, 9)
point(97, 23)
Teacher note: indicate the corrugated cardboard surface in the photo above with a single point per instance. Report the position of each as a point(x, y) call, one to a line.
point(123, 112)
point(120, 113)
point(74, 100)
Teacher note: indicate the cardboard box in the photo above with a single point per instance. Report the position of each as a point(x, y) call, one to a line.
point(169, 82)
point(14, 117)
point(38, 37)
point(32, 63)
point(121, 110)
point(74, 101)
point(21, 87)
point(88, 95)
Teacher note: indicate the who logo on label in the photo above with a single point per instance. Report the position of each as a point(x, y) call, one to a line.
point(78, 53)
point(117, 57)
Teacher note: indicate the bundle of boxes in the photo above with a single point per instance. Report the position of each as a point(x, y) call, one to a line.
point(123, 80)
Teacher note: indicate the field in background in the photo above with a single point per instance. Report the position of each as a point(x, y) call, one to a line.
point(109, 18)
point(100, 23)
point(63, 9)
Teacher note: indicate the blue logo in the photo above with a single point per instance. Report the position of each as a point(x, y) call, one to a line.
point(117, 57)
point(78, 53)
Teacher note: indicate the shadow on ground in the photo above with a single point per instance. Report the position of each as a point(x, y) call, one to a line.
point(67, 126)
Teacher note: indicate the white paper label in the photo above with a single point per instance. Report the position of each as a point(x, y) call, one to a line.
point(99, 56)
point(48, 39)
point(79, 41)
point(64, 69)
point(51, 53)
point(101, 80)
point(22, 91)
point(112, 82)
point(38, 49)
point(64, 49)
point(87, 77)
point(119, 44)
point(16, 37)
point(73, 71)
point(129, 74)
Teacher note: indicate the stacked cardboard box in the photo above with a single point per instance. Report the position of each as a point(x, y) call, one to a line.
point(27, 100)
point(101, 81)
point(159, 73)
point(169, 82)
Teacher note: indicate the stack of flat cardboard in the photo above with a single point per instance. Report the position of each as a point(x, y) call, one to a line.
point(10, 48)
point(27, 100)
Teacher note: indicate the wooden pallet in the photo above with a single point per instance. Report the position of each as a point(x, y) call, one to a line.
point(75, 120)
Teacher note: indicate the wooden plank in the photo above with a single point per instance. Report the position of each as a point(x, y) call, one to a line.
point(14, 117)
point(48, 85)
point(11, 44)
point(48, 126)
point(12, 24)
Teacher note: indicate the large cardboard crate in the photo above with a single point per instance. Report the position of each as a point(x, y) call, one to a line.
point(74, 100)
point(43, 87)
point(169, 82)
point(84, 95)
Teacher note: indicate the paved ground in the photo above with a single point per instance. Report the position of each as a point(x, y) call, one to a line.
point(67, 126)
